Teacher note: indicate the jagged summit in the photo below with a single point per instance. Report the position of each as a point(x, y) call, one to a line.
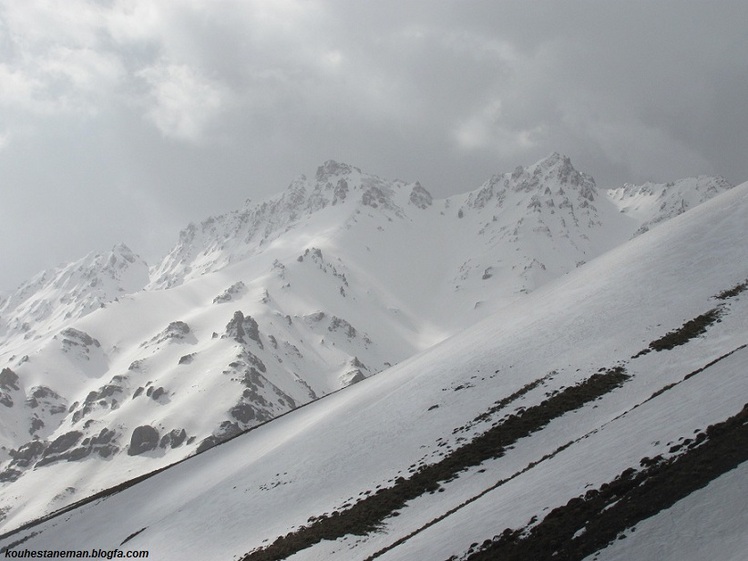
point(555, 170)
point(70, 291)
point(553, 175)
point(653, 203)
point(332, 168)
point(339, 190)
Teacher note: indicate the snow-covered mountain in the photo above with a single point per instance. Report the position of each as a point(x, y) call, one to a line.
point(109, 373)
point(52, 299)
point(653, 203)
point(596, 417)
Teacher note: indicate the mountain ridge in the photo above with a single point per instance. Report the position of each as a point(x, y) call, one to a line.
point(260, 310)
point(240, 497)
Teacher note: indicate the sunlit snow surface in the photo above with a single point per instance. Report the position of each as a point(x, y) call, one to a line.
point(245, 493)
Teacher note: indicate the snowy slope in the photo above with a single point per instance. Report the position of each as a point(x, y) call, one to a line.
point(328, 455)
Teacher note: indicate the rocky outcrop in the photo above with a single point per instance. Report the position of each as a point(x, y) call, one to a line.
point(176, 331)
point(173, 439)
point(144, 438)
point(8, 384)
point(420, 197)
point(231, 293)
point(243, 329)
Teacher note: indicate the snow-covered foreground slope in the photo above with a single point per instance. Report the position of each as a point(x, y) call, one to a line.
point(621, 364)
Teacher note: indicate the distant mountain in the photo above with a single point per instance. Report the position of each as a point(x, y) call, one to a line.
point(653, 203)
point(110, 370)
point(54, 298)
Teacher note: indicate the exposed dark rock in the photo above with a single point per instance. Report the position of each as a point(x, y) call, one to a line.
point(356, 363)
point(63, 442)
point(223, 433)
point(105, 391)
point(8, 380)
point(36, 424)
point(9, 474)
point(315, 317)
point(175, 331)
point(77, 454)
point(173, 438)
point(178, 329)
point(40, 393)
point(103, 397)
point(339, 324)
point(374, 197)
point(230, 293)
point(253, 360)
point(107, 451)
point(187, 359)
point(341, 191)
point(61, 449)
point(242, 329)
point(8, 383)
point(420, 197)
point(104, 437)
point(252, 379)
point(75, 338)
point(27, 454)
point(331, 168)
point(143, 439)
point(243, 412)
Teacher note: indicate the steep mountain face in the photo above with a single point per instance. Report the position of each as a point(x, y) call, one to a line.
point(594, 418)
point(219, 241)
point(259, 311)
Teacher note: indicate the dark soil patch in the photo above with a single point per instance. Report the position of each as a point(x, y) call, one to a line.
point(368, 513)
point(732, 292)
point(631, 497)
point(689, 330)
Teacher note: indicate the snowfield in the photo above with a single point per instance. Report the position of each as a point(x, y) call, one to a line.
point(519, 357)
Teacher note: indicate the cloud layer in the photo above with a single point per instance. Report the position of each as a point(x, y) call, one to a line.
point(122, 120)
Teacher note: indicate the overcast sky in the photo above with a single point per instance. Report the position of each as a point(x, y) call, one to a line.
point(124, 120)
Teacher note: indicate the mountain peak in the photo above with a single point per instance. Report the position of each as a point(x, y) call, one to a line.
point(554, 158)
point(653, 203)
point(558, 163)
point(332, 168)
point(72, 290)
point(556, 170)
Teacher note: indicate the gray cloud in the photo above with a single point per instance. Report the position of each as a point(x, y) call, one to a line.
point(123, 120)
